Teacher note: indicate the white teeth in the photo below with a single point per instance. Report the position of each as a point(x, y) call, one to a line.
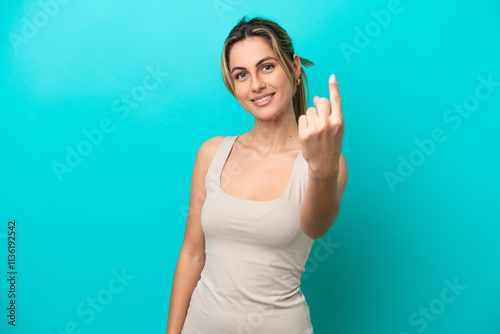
point(264, 98)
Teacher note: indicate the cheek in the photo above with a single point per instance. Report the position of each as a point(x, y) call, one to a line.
point(286, 90)
point(284, 84)
point(239, 93)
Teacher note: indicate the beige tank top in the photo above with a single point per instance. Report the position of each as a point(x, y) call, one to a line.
point(255, 255)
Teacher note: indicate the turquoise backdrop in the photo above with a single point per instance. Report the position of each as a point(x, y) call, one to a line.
point(105, 104)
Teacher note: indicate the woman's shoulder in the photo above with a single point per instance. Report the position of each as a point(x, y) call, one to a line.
point(207, 150)
point(210, 146)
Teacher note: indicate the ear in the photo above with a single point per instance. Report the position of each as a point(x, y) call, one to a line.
point(296, 65)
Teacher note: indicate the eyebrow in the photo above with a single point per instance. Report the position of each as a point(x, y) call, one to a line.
point(258, 63)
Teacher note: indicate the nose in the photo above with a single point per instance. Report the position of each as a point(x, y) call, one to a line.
point(257, 83)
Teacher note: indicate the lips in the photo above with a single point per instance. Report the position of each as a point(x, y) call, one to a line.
point(261, 96)
point(267, 100)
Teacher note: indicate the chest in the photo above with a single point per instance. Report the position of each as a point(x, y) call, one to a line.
point(251, 178)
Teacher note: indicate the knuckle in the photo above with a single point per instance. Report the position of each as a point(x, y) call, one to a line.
point(337, 121)
point(310, 110)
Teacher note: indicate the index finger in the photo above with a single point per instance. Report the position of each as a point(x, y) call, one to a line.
point(335, 99)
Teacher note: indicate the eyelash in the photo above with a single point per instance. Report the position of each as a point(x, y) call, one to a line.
point(238, 75)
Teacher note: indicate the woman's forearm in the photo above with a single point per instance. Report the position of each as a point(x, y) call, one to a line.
point(186, 276)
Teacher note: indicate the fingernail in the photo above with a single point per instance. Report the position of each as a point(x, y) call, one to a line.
point(333, 79)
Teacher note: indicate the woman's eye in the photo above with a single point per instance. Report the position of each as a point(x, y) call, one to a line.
point(268, 66)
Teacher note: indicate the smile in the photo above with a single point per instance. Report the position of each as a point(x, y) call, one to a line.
point(264, 101)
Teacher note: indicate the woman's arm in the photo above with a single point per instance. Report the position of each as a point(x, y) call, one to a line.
point(187, 274)
point(192, 254)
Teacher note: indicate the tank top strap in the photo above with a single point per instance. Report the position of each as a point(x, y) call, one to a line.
point(297, 184)
point(219, 159)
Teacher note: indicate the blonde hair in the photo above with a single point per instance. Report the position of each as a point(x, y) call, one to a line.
point(281, 43)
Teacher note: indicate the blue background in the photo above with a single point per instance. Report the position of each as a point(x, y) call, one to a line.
point(122, 209)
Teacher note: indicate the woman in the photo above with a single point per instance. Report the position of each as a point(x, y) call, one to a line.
point(259, 199)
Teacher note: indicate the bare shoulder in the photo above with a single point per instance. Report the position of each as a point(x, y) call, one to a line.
point(206, 153)
point(210, 145)
point(207, 150)
point(194, 238)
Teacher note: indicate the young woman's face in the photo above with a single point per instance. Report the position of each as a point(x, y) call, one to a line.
point(256, 73)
